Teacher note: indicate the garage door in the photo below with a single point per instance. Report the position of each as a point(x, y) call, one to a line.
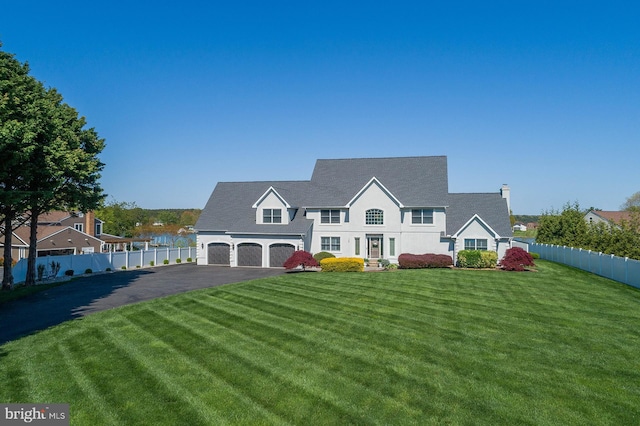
point(219, 254)
point(249, 254)
point(278, 253)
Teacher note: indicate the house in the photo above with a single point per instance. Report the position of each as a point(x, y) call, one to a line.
point(608, 217)
point(520, 227)
point(60, 233)
point(83, 222)
point(19, 247)
point(368, 207)
point(56, 240)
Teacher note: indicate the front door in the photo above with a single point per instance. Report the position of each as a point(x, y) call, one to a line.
point(375, 247)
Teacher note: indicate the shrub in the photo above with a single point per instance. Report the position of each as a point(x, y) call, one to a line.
point(515, 259)
point(342, 264)
point(419, 261)
point(166, 261)
point(69, 272)
point(477, 259)
point(41, 268)
point(178, 260)
point(323, 255)
point(88, 271)
point(152, 263)
point(384, 263)
point(189, 259)
point(108, 270)
point(123, 267)
point(534, 255)
point(469, 259)
point(300, 258)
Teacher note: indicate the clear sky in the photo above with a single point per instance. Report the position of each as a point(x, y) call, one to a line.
point(543, 96)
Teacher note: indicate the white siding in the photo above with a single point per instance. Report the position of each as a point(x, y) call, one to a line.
point(272, 201)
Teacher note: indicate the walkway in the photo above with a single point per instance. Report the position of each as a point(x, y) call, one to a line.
point(100, 292)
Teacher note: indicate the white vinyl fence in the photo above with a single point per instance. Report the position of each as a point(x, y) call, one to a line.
point(99, 262)
point(620, 269)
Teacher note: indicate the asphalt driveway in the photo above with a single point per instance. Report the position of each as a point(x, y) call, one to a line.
point(100, 292)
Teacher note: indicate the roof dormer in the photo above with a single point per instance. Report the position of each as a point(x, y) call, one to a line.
point(272, 208)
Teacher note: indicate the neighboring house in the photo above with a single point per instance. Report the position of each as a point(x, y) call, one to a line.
point(83, 222)
point(520, 227)
point(608, 217)
point(60, 233)
point(19, 247)
point(369, 208)
point(55, 240)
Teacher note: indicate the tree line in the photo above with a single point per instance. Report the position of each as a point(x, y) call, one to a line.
point(569, 228)
point(126, 219)
point(48, 158)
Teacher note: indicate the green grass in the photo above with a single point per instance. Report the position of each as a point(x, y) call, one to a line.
point(557, 346)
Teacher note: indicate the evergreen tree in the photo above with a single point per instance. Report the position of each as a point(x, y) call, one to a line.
point(49, 160)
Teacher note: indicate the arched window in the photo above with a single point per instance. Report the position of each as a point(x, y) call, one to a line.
point(374, 217)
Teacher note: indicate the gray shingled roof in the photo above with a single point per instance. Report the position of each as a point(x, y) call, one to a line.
point(414, 181)
point(229, 208)
point(491, 208)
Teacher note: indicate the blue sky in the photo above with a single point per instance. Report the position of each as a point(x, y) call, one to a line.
point(542, 96)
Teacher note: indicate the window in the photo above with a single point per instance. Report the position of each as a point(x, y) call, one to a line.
point(374, 217)
point(330, 243)
point(329, 216)
point(79, 227)
point(356, 242)
point(475, 244)
point(98, 228)
point(422, 216)
point(272, 216)
point(392, 246)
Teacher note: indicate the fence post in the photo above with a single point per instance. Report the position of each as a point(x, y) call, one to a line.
point(626, 270)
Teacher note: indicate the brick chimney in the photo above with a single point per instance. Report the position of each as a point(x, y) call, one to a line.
point(505, 191)
point(90, 224)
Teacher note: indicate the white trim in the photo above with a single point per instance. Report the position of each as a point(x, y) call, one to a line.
point(475, 216)
point(266, 193)
point(384, 189)
point(48, 237)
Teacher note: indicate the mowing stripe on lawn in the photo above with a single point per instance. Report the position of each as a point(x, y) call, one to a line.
point(279, 365)
point(98, 405)
point(175, 371)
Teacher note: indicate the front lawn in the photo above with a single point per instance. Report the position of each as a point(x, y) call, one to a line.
point(557, 346)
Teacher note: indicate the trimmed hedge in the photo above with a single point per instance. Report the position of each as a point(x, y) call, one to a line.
point(419, 261)
point(342, 264)
point(477, 259)
point(323, 255)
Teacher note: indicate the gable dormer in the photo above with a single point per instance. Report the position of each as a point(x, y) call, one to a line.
point(373, 187)
point(476, 225)
point(272, 208)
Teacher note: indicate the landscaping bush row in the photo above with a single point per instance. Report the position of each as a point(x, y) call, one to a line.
point(429, 260)
point(342, 264)
point(515, 259)
point(477, 259)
